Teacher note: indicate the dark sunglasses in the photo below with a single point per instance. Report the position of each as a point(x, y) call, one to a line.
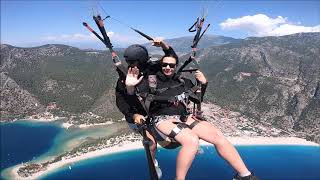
point(171, 65)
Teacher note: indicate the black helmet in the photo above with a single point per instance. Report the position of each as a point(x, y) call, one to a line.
point(136, 53)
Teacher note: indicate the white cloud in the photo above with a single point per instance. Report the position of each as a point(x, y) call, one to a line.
point(285, 29)
point(262, 25)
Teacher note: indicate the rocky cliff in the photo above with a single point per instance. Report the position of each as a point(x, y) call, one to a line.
point(272, 80)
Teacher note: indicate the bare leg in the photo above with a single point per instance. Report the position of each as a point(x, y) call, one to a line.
point(226, 150)
point(189, 142)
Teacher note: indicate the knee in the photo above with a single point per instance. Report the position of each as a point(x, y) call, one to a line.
point(191, 140)
point(219, 138)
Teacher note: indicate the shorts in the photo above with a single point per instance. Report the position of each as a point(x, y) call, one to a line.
point(158, 134)
point(158, 119)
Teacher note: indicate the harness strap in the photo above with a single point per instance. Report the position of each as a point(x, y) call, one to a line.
point(148, 101)
point(192, 125)
point(167, 88)
point(194, 89)
point(194, 25)
point(175, 131)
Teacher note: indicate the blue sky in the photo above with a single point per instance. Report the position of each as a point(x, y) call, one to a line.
point(33, 23)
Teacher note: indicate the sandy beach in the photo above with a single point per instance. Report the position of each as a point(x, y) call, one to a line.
point(128, 145)
point(98, 124)
point(67, 125)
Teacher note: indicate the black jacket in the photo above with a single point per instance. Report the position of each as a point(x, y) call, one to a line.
point(126, 108)
point(123, 104)
point(167, 90)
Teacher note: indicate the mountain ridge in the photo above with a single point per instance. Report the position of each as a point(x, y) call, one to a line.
point(275, 80)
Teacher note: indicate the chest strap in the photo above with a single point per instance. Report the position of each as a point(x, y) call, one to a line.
point(167, 88)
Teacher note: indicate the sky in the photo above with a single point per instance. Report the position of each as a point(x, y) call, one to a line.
point(35, 23)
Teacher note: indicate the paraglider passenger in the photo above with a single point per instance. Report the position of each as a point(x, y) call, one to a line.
point(171, 117)
point(136, 57)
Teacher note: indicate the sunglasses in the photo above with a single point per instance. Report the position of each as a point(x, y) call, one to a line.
point(171, 65)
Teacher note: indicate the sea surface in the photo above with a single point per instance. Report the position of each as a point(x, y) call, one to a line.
point(22, 141)
point(268, 162)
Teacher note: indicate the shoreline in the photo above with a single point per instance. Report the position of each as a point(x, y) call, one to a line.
point(65, 125)
point(65, 162)
point(129, 146)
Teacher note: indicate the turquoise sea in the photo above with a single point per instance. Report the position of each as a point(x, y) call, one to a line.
point(23, 141)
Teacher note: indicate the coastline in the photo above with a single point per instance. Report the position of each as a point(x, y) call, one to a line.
point(65, 162)
point(65, 125)
point(129, 145)
point(84, 126)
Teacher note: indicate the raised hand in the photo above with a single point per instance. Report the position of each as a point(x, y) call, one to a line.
point(132, 77)
point(158, 42)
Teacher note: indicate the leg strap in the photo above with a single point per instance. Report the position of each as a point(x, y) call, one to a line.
point(193, 124)
point(175, 131)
